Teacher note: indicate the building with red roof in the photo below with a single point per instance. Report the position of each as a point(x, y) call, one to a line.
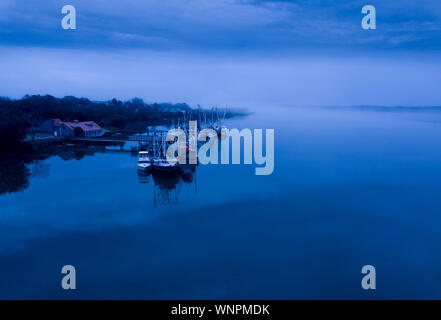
point(89, 129)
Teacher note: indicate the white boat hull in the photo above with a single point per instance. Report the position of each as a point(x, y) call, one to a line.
point(144, 167)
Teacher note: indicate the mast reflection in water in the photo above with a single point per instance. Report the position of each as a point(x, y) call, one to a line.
point(167, 186)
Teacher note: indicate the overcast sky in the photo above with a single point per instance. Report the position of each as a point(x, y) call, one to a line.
point(224, 52)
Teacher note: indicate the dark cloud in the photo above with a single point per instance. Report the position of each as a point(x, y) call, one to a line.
point(223, 24)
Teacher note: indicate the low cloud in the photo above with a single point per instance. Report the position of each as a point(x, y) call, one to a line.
point(223, 79)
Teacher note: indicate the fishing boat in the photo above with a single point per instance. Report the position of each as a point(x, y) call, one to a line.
point(162, 164)
point(144, 163)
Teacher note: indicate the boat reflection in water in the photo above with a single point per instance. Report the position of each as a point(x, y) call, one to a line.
point(144, 176)
point(167, 185)
point(188, 172)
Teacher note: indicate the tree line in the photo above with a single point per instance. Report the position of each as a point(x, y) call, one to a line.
point(17, 116)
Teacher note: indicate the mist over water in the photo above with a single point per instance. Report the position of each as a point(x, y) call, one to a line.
point(250, 80)
point(350, 187)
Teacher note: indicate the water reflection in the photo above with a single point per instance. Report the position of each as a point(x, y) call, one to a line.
point(355, 188)
point(14, 175)
point(39, 169)
point(167, 186)
point(166, 190)
point(16, 170)
point(144, 176)
point(187, 174)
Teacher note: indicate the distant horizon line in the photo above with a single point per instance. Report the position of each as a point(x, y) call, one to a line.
point(361, 106)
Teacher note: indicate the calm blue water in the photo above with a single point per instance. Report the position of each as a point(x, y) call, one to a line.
point(350, 188)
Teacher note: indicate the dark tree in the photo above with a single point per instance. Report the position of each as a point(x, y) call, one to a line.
point(14, 176)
